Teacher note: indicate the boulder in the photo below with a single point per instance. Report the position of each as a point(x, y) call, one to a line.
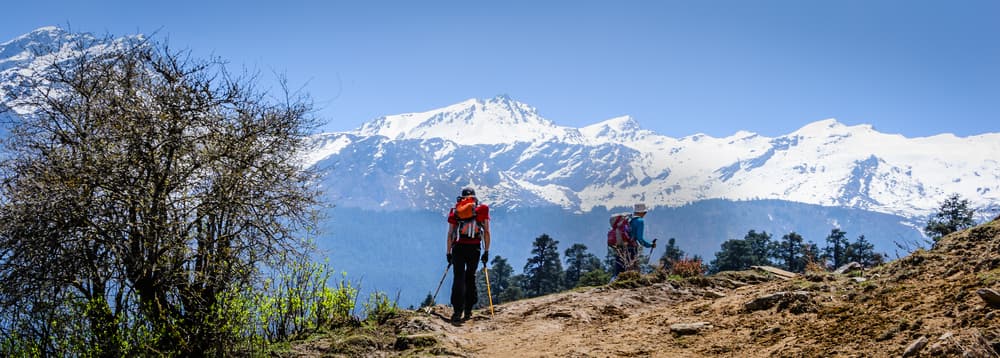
point(682, 329)
point(991, 297)
point(848, 267)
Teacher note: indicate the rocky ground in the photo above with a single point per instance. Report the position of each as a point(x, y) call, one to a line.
point(930, 303)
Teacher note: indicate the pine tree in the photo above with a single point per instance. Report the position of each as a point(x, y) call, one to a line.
point(428, 301)
point(863, 252)
point(596, 277)
point(759, 245)
point(754, 250)
point(789, 252)
point(671, 253)
point(953, 215)
point(513, 292)
point(836, 248)
point(610, 257)
point(500, 278)
point(543, 273)
point(578, 263)
point(733, 256)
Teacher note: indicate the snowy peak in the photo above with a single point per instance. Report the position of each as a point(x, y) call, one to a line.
point(831, 127)
point(519, 158)
point(23, 49)
point(614, 130)
point(493, 121)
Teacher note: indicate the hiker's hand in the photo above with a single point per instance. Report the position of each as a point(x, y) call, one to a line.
point(486, 257)
point(654, 243)
point(449, 258)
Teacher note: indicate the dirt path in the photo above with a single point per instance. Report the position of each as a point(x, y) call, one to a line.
point(928, 296)
point(597, 322)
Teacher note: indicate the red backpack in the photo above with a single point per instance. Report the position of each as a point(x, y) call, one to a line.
point(619, 235)
point(465, 216)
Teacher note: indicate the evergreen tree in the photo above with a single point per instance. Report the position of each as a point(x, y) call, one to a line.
point(734, 256)
point(596, 277)
point(671, 254)
point(863, 252)
point(481, 291)
point(513, 292)
point(579, 262)
point(759, 245)
point(789, 252)
point(953, 215)
point(543, 273)
point(500, 277)
point(428, 301)
point(754, 250)
point(609, 259)
point(836, 248)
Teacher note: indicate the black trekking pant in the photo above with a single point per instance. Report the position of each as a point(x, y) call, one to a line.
point(465, 259)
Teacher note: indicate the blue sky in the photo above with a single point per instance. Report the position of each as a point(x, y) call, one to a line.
point(916, 68)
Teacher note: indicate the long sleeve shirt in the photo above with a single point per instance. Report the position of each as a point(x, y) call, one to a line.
point(638, 231)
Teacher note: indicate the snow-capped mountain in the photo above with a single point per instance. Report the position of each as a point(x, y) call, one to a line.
point(36, 52)
point(517, 158)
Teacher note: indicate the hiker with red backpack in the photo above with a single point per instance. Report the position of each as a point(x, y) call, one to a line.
point(468, 226)
point(626, 234)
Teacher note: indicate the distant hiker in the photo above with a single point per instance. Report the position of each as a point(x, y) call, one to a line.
point(468, 226)
point(626, 234)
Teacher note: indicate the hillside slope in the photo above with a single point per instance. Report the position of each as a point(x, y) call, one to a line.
point(928, 295)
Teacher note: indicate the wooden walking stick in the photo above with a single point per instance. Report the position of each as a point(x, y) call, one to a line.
point(488, 293)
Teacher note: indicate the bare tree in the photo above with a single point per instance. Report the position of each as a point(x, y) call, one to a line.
point(145, 186)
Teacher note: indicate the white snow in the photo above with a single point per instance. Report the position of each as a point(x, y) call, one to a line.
point(327, 149)
point(824, 162)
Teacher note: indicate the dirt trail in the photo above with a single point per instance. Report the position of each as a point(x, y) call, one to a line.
point(877, 313)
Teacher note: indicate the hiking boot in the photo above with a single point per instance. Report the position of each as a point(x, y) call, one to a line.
point(467, 315)
point(456, 317)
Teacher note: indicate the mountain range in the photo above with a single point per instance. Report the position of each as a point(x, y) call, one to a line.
point(516, 158)
point(392, 180)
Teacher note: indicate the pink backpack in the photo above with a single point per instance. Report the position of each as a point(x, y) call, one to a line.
point(620, 229)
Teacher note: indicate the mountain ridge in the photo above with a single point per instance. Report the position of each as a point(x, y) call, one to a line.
point(615, 162)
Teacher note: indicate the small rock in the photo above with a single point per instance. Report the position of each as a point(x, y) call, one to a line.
point(859, 279)
point(850, 266)
point(991, 297)
point(689, 328)
point(946, 336)
point(915, 347)
point(714, 294)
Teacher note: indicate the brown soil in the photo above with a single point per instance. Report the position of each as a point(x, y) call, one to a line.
point(876, 313)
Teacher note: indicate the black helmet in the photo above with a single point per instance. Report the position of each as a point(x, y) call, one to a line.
point(468, 192)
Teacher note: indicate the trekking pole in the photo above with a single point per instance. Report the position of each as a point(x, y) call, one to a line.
point(488, 293)
point(650, 256)
point(434, 299)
